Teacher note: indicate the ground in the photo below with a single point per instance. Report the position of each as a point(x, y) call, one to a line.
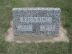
point(9, 37)
point(33, 48)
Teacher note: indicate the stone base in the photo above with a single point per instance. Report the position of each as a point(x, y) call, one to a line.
point(9, 37)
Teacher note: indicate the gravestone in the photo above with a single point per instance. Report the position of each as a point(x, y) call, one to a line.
point(37, 21)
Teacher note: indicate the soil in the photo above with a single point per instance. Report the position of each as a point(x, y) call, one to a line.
point(9, 37)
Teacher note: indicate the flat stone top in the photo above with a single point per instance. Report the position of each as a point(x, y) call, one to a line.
point(36, 20)
point(39, 8)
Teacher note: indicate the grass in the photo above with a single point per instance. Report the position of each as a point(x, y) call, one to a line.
point(41, 48)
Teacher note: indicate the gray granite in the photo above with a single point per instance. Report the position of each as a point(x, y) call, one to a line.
point(38, 21)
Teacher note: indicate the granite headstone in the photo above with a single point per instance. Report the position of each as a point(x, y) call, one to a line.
point(38, 21)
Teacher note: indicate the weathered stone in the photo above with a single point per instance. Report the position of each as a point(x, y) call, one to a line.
point(38, 21)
